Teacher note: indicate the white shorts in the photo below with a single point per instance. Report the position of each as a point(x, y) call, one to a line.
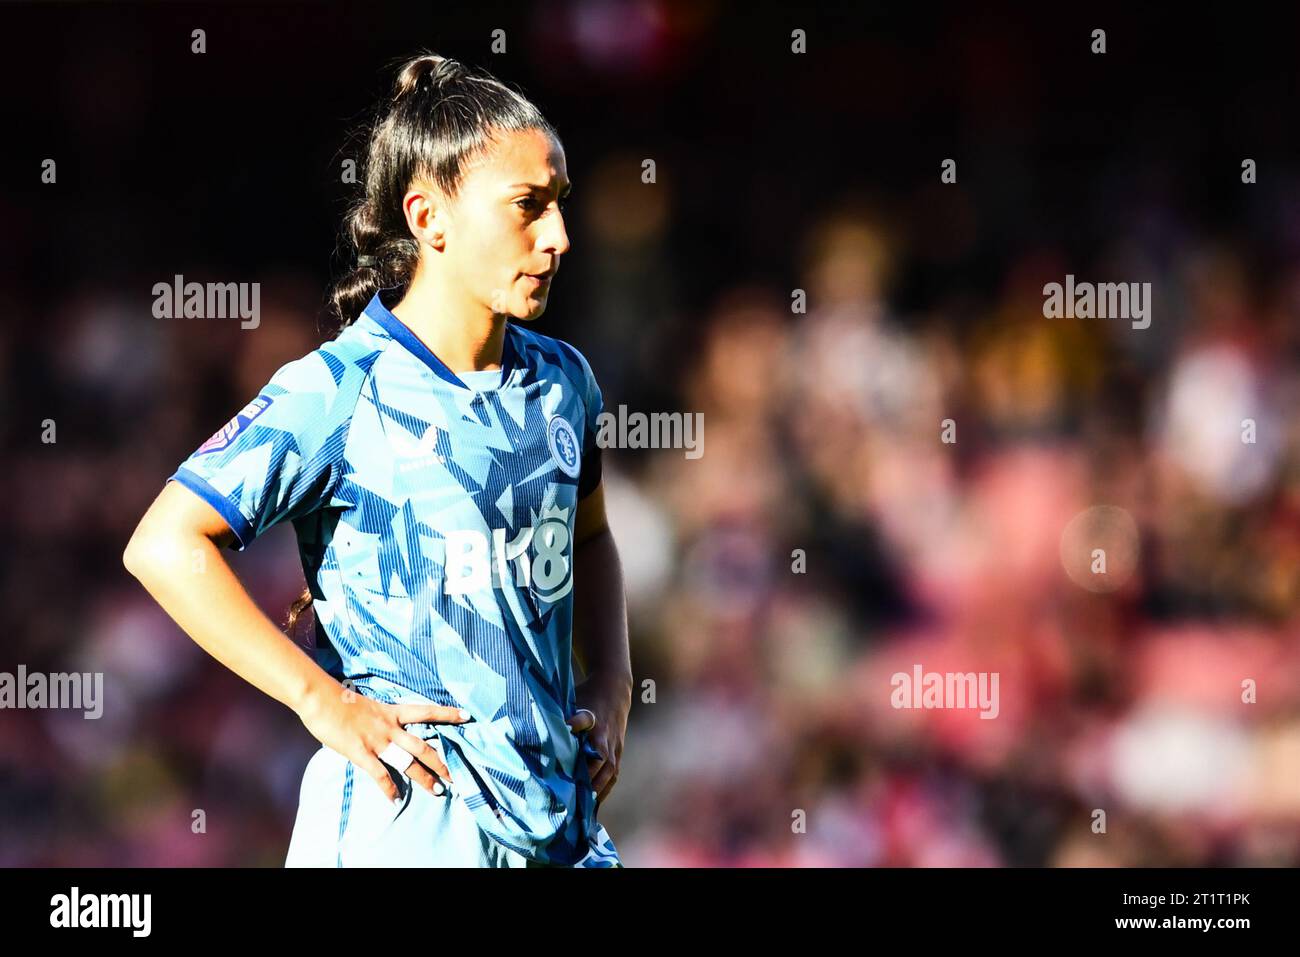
point(344, 820)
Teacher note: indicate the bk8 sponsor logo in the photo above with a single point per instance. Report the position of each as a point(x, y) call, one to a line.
point(538, 556)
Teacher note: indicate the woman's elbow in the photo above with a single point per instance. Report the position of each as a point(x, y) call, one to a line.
point(153, 548)
point(173, 527)
point(137, 554)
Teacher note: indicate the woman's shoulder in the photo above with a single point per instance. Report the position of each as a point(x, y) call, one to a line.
point(343, 362)
point(562, 355)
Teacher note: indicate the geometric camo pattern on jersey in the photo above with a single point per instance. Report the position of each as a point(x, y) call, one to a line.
point(435, 526)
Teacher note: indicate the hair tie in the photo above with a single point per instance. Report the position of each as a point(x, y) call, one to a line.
point(363, 261)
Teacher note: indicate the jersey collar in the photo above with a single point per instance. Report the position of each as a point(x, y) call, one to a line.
point(381, 314)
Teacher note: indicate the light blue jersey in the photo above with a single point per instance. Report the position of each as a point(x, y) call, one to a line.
point(435, 524)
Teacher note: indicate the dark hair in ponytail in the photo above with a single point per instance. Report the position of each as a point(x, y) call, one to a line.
point(441, 114)
point(300, 604)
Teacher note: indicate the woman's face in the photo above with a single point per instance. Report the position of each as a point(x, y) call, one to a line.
point(504, 232)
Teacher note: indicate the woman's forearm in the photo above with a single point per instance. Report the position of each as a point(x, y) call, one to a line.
point(600, 610)
point(189, 577)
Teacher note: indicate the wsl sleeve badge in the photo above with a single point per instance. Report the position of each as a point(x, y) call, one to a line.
point(227, 433)
point(563, 443)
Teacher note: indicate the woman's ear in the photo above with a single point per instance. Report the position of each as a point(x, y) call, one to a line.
point(426, 216)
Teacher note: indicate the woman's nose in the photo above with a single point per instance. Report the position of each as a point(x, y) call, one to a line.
point(558, 241)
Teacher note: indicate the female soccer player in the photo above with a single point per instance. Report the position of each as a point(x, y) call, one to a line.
point(440, 467)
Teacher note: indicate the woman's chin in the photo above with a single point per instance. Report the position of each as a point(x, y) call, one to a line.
point(532, 308)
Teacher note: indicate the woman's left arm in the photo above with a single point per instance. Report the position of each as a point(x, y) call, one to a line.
point(600, 640)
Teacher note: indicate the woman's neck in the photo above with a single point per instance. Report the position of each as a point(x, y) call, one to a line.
point(464, 335)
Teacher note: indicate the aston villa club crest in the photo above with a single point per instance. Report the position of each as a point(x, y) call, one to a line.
point(563, 443)
point(226, 434)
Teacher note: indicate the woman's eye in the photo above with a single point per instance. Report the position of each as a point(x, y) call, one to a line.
point(530, 204)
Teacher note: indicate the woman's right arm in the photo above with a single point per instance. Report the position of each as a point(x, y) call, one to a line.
point(176, 553)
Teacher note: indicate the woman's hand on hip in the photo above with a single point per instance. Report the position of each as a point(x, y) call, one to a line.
point(603, 705)
point(362, 729)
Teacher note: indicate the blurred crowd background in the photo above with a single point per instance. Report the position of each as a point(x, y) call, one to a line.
point(828, 537)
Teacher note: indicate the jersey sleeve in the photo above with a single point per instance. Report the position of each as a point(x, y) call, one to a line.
point(281, 456)
point(589, 476)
